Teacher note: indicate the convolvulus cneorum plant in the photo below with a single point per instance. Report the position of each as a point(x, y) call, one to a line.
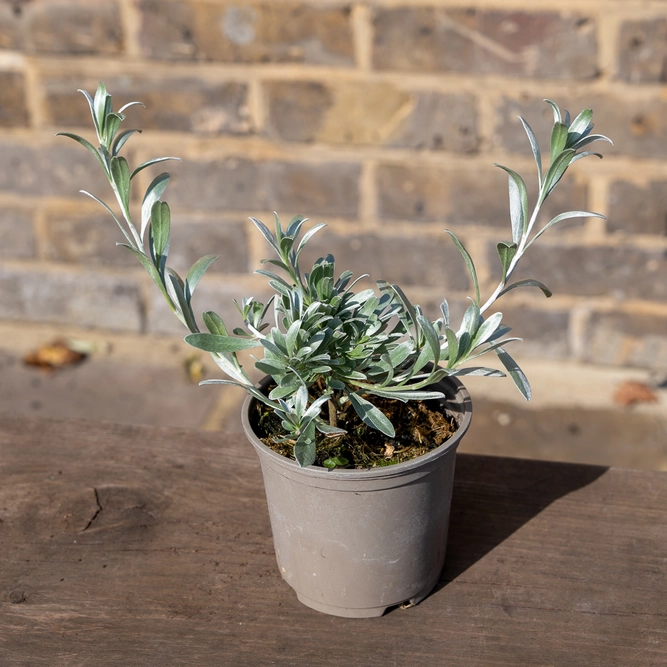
point(328, 345)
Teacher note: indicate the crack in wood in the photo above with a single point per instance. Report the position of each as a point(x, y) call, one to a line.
point(97, 513)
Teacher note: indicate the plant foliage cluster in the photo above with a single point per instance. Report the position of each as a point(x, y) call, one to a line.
point(327, 344)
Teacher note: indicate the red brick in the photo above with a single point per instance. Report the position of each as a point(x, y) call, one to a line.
point(518, 44)
point(182, 104)
point(635, 209)
point(65, 27)
point(642, 51)
point(251, 33)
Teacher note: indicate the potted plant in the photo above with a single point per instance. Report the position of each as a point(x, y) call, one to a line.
point(358, 418)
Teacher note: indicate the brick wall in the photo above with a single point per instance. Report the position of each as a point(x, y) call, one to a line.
point(381, 118)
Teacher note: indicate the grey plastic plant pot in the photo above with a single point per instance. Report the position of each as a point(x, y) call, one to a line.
point(354, 542)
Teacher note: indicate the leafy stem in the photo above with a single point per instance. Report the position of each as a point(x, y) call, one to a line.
point(329, 345)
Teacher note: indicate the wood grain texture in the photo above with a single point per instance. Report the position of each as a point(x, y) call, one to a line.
point(130, 545)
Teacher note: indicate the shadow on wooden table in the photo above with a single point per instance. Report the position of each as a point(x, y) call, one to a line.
point(494, 497)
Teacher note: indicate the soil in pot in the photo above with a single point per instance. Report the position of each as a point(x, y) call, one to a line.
point(420, 427)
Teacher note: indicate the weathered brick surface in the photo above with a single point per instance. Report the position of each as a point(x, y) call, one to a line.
point(627, 339)
point(59, 169)
point(637, 129)
point(621, 272)
point(475, 41)
point(378, 114)
point(182, 104)
point(297, 109)
point(544, 332)
point(192, 240)
point(89, 299)
point(84, 238)
point(244, 185)
point(371, 113)
point(13, 108)
point(62, 27)
point(430, 194)
point(90, 239)
point(17, 236)
point(433, 194)
point(636, 209)
point(642, 50)
point(211, 294)
point(250, 33)
point(417, 260)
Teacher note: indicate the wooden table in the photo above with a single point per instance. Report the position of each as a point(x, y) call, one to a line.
point(127, 545)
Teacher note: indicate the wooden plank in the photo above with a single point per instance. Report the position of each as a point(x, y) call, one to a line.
point(128, 545)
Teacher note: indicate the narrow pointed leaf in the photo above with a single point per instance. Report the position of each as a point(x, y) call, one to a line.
point(152, 271)
point(221, 344)
point(160, 228)
point(308, 235)
point(581, 123)
point(527, 283)
point(556, 171)
point(564, 216)
point(371, 415)
point(111, 125)
point(431, 336)
point(471, 320)
point(506, 252)
point(291, 337)
point(113, 215)
point(515, 373)
point(131, 104)
point(214, 323)
point(176, 289)
point(91, 105)
point(304, 447)
point(121, 140)
point(196, 273)
point(153, 193)
point(486, 372)
point(589, 139)
point(558, 139)
point(556, 111)
point(580, 156)
point(444, 309)
point(266, 233)
point(143, 166)
point(120, 174)
point(86, 144)
point(452, 346)
point(535, 148)
point(487, 329)
point(100, 107)
point(518, 197)
point(469, 263)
